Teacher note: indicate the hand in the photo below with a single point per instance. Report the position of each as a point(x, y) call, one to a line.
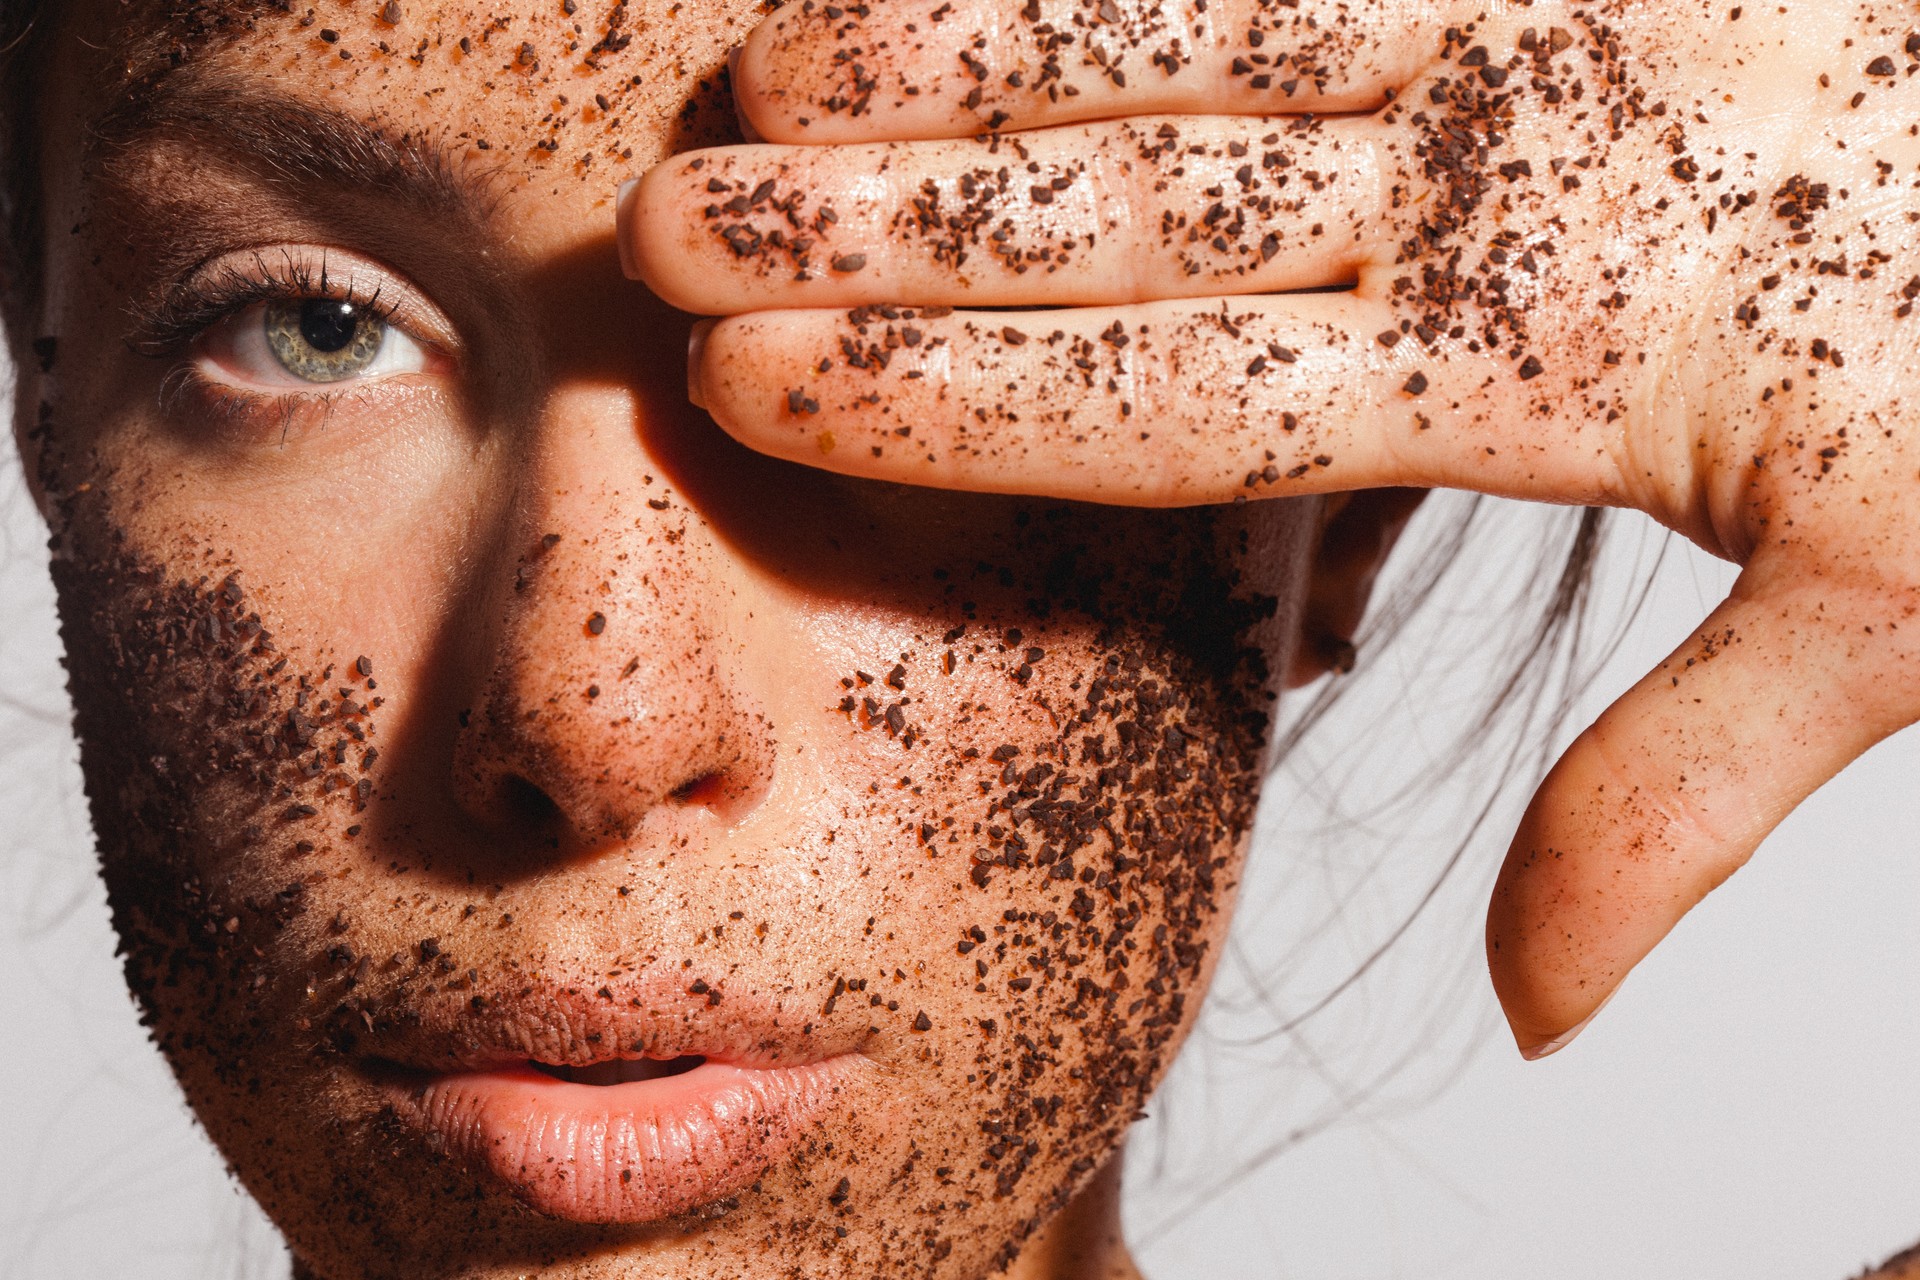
point(1298, 246)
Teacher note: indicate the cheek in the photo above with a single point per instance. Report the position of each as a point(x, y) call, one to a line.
point(221, 773)
point(1054, 803)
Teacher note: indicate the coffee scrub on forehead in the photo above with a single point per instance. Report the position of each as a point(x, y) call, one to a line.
point(589, 790)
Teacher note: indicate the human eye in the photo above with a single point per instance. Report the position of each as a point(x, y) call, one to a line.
point(289, 333)
point(311, 342)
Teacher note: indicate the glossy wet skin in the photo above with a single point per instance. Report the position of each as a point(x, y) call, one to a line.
point(623, 725)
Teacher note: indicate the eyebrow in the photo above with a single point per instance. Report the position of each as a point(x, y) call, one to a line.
point(288, 141)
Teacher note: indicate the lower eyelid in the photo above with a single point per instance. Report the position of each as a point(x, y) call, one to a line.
point(248, 417)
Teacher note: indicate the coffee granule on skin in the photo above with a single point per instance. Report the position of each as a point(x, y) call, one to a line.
point(1455, 286)
point(1282, 58)
point(639, 60)
point(199, 737)
point(1461, 281)
point(1506, 169)
point(1228, 216)
point(1089, 903)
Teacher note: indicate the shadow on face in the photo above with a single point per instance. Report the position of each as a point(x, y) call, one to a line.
point(488, 712)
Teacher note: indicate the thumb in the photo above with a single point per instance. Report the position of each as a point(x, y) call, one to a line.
point(1673, 788)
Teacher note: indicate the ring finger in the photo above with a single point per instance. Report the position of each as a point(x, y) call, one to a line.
point(1162, 404)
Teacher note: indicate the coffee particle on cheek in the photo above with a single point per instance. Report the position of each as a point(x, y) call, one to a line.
point(210, 764)
point(1100, 844)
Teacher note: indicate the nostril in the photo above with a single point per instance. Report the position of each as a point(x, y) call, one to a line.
point(709, 790)
point(525, 802)
point(729, 794)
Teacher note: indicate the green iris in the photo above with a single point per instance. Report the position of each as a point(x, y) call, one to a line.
point(324, 339)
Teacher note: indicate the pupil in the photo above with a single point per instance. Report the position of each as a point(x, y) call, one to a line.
point(328, 324)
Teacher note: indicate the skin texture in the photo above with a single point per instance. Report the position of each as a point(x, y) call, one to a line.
point(501, 708)
point(1658, 256)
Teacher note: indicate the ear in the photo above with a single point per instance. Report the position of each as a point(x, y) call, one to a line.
point(1356, 533)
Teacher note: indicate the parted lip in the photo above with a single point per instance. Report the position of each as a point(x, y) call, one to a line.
point(568, 1025)
point(490, 1079)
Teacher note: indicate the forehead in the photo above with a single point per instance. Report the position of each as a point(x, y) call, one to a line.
point(538, 89)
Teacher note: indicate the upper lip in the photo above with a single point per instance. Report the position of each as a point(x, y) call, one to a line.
point(580, 1025)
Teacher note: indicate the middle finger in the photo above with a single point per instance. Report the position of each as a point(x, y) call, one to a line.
point(1098, 214)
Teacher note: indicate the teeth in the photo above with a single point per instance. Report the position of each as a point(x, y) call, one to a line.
point(620, 1071)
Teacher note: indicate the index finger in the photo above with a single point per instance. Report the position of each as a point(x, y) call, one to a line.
point(824, 73)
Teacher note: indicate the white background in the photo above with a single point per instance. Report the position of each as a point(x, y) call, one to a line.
point(1742, 1110)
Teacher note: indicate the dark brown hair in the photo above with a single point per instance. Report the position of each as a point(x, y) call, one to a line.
point(153, 37)
point(22, 55)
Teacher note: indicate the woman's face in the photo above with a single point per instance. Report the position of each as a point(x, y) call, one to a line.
point(477, 738)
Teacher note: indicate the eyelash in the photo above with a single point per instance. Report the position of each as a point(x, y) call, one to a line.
point(184, 315)
point(173, 325)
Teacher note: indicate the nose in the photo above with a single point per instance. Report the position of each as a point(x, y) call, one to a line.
point(613, 692)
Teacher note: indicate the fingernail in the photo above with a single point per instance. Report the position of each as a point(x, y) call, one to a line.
point(620, 227)
point(696, 345)
point(1547, 1048)
point(747, 132)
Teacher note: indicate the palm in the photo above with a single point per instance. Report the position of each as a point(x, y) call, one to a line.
point(1684, 283)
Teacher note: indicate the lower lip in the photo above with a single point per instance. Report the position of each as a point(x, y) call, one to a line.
point(634, 1152)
